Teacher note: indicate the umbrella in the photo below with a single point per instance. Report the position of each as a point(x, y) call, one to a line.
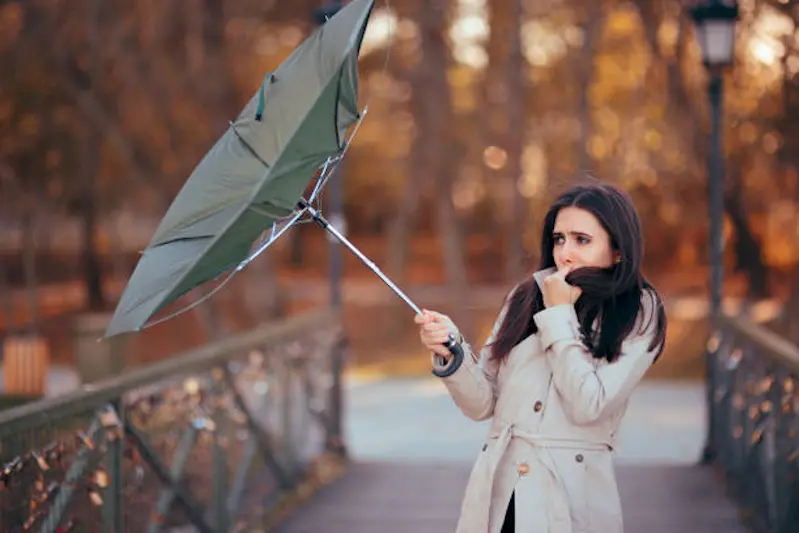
point(254, 177)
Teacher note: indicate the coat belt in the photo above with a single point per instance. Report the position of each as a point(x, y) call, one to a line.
point(558, 513)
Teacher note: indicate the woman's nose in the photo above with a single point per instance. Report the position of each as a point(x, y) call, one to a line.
point(566, 254)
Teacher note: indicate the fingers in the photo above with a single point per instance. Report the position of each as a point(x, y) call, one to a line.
point(559, 276)
point(435, 316)
point(562, 273)
point(432, 334)
point(434, 330)
point(440, 349)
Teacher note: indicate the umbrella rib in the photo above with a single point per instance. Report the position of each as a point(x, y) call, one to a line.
point(333, 163)
point(230, 274)
point(192, 305)
point(272, 239)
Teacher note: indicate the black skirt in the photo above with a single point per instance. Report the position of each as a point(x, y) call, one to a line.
point(509, 525)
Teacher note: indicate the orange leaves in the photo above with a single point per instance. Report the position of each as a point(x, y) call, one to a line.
point(11, 20)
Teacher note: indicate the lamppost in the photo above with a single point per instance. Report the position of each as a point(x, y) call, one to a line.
point(336, 194)
point(715, 30)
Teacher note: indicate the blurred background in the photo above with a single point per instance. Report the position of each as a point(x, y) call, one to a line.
point(480, 112)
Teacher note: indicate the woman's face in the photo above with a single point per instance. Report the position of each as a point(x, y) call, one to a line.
point(579, 240)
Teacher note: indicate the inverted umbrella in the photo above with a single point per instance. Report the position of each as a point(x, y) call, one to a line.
point(254, 177)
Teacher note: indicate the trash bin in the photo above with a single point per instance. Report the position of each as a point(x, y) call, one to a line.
point(96, 359)
point(26, 359)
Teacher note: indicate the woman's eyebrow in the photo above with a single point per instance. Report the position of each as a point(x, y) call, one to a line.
point(573, 233)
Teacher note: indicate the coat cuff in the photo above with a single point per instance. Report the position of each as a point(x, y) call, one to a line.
point(443, 367)
point(556, 324)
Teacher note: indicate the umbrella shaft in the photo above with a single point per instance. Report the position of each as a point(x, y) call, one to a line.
point(324, 224)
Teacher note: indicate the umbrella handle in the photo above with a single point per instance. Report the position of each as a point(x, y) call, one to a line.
point(456, 350)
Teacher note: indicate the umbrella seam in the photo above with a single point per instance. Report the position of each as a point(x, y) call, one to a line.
point(248, 146)
point(338, 103)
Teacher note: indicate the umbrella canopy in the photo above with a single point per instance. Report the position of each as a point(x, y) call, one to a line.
point(256, 172)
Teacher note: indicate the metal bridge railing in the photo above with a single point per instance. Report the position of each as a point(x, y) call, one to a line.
point(756, 422)
point(214, 438)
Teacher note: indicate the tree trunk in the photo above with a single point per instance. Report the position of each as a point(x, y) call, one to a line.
point(90, 166)
point(417, 174)
point(748, 251)
point(491, 112)
point(29, 266)
point(591, 29)
point(438, 131)
point(92, 270)
point(8, 301)
point(262, 297)
point(515, 76)
point(403, 219)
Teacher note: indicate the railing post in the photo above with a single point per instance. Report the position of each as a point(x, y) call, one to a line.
point(113, 494)
point(219, 454)
point(335, 437)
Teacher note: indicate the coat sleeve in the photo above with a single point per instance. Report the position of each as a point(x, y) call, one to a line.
point(472, 384)
point(591, 393)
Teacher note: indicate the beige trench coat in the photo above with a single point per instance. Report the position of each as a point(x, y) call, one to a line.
point(555, 413)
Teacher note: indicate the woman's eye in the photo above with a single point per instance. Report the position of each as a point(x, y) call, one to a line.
point(583, 240)
point(559, 239)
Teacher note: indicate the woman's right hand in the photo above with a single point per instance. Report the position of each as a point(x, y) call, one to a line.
point(434, 330)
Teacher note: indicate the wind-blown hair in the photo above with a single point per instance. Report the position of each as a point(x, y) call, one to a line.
point(615, 300)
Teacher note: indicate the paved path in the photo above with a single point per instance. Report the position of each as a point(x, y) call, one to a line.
point(389, 420)
point(380, 497)
point(412, 452)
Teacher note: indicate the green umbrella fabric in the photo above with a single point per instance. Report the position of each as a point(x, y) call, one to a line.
point(256, 172)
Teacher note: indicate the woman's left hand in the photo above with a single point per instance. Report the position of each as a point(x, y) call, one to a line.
point(557, 291)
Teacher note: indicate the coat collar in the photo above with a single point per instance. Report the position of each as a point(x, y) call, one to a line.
point(541, 275)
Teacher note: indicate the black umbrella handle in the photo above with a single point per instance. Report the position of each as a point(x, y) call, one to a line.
point(456, 350)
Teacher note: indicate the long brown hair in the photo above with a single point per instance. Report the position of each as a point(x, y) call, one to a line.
point(611, 296)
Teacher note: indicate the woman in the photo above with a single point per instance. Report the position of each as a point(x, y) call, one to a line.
point(568, 347)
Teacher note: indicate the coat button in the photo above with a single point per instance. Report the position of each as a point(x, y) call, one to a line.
point(579, 458)
point(523, 468)
point(538, 406)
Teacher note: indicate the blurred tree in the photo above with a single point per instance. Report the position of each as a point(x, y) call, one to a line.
point(434, 118)
point(113, 105)
point(685, 109)
point(593, 17)
point(515, 80)
point(110, 106)
point(402, 225)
